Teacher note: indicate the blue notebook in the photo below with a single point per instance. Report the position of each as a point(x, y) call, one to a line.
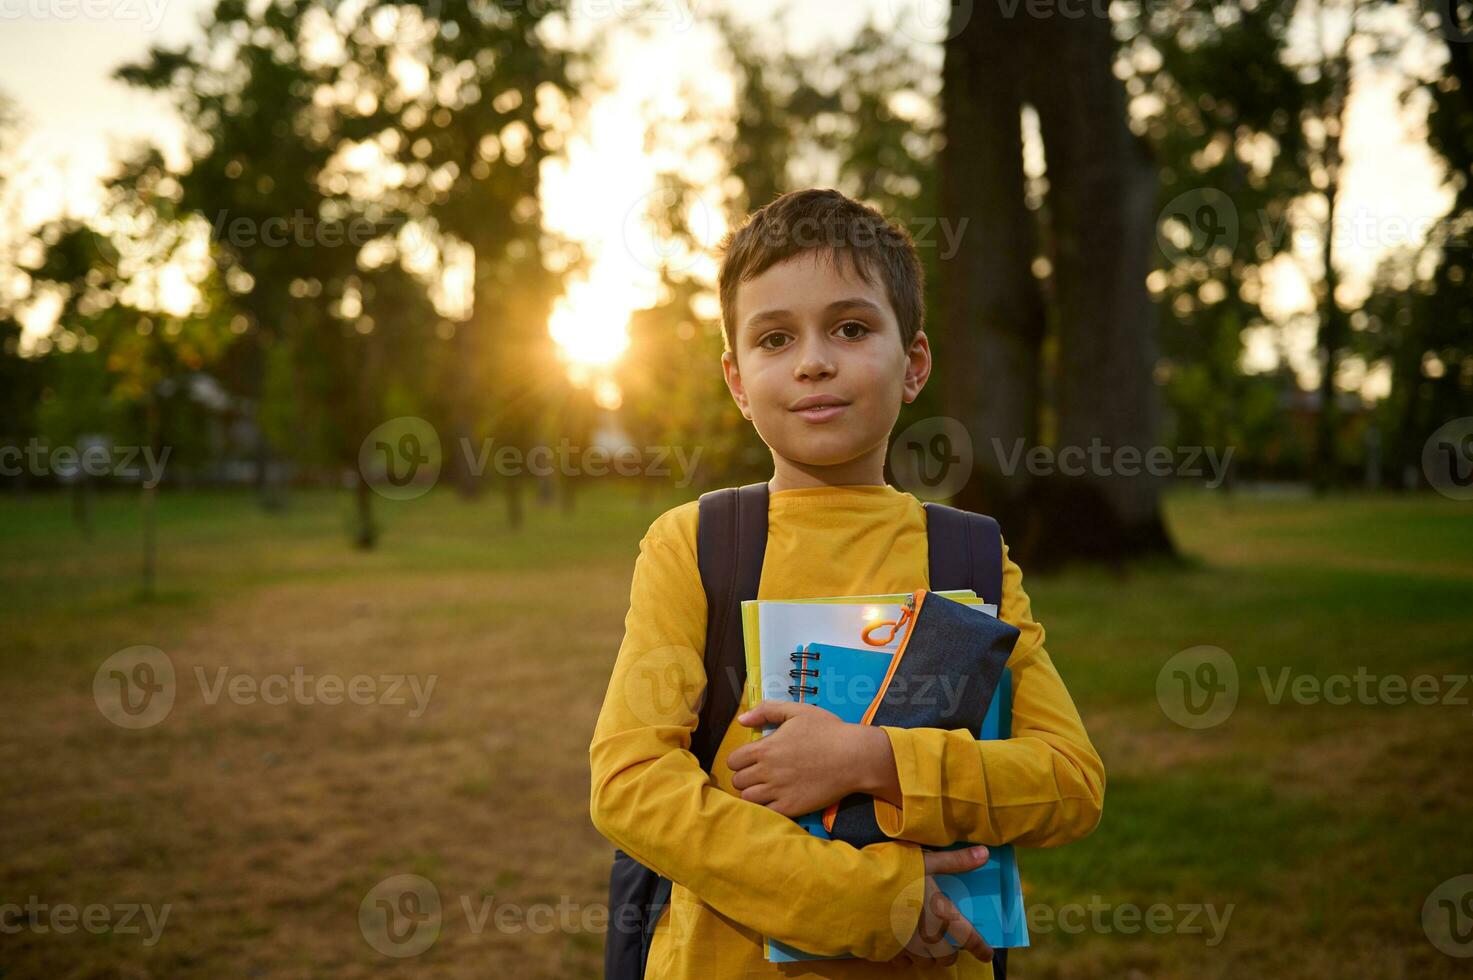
point(844, 680)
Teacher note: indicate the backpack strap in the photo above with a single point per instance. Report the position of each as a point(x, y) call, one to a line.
point(731, 539)
point(965, 551)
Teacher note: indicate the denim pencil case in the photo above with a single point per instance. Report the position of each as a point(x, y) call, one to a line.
point(942, 675)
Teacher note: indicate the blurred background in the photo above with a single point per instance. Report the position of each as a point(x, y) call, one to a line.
point(347, 349)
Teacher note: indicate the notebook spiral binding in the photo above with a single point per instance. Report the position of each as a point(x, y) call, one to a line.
point(801, 658)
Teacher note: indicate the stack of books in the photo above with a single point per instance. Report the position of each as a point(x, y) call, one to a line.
point(853, 656)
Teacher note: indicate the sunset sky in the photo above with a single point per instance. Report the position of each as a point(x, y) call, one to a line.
point(56, 72)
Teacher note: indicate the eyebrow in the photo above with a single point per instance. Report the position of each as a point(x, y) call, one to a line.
point(763, 317)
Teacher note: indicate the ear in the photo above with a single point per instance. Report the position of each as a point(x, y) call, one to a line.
point(733, 376)
point(917, 366)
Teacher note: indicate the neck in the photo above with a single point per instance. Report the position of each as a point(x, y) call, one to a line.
point(865, 470)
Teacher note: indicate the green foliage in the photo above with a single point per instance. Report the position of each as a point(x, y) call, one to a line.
point(1218, 75)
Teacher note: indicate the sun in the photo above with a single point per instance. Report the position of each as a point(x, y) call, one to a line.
point(590, 325)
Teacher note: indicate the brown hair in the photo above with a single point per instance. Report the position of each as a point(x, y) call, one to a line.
point(831, 223)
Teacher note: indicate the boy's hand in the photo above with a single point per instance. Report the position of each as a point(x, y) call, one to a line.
point(808, 763)
point(939, 916)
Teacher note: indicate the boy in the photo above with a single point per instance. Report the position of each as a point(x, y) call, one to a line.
point(821, 303)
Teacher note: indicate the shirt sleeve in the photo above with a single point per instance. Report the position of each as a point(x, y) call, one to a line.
point(1042, 787)
point(650, 797)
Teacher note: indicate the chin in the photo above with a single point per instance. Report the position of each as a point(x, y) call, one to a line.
point(822, 451)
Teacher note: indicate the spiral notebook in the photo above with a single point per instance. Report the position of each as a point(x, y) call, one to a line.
point(772, 628)
point(990, 897)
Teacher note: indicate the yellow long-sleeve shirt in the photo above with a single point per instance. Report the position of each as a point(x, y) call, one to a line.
point(743, 871)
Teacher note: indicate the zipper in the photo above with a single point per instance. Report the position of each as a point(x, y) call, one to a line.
point(907, 613)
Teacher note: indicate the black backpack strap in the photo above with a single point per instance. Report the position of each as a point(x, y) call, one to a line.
point(965, 552)
point(731, 539)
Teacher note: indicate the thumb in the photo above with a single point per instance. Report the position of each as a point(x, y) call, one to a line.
point(768, 712)
point(955, 861)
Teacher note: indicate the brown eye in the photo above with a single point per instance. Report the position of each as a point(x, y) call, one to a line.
point(763, 342)
point(855, 323)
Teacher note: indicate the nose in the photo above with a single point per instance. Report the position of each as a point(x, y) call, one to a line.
point(815, 360)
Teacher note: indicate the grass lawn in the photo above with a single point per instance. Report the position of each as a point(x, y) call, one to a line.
point(1295, 839)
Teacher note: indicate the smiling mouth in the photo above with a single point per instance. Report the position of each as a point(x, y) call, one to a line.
point(819, 413)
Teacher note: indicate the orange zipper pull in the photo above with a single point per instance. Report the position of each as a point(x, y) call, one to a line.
point(907, 611)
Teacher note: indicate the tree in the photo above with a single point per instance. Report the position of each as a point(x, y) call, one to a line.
point(1221, 108)
point(428, 133)
point(122, 337)
point(496, 92)
point(1419, 318)
point(1094, 243)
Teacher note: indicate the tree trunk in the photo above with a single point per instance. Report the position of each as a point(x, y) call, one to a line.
point(1334, 328)
point(149, 501)
point(365, 534)
point(1101, 202)
point(989, 352)
point(1102, 196)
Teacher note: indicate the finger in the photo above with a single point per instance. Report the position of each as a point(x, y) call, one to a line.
point(965, 934)
point(939, 953)
point(942, 918)
point(955, 861)
point(761, 793)
point(769, 712)
point(742, 756)
point(935, 922)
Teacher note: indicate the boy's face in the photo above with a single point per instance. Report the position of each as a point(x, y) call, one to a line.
point(810, 328)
